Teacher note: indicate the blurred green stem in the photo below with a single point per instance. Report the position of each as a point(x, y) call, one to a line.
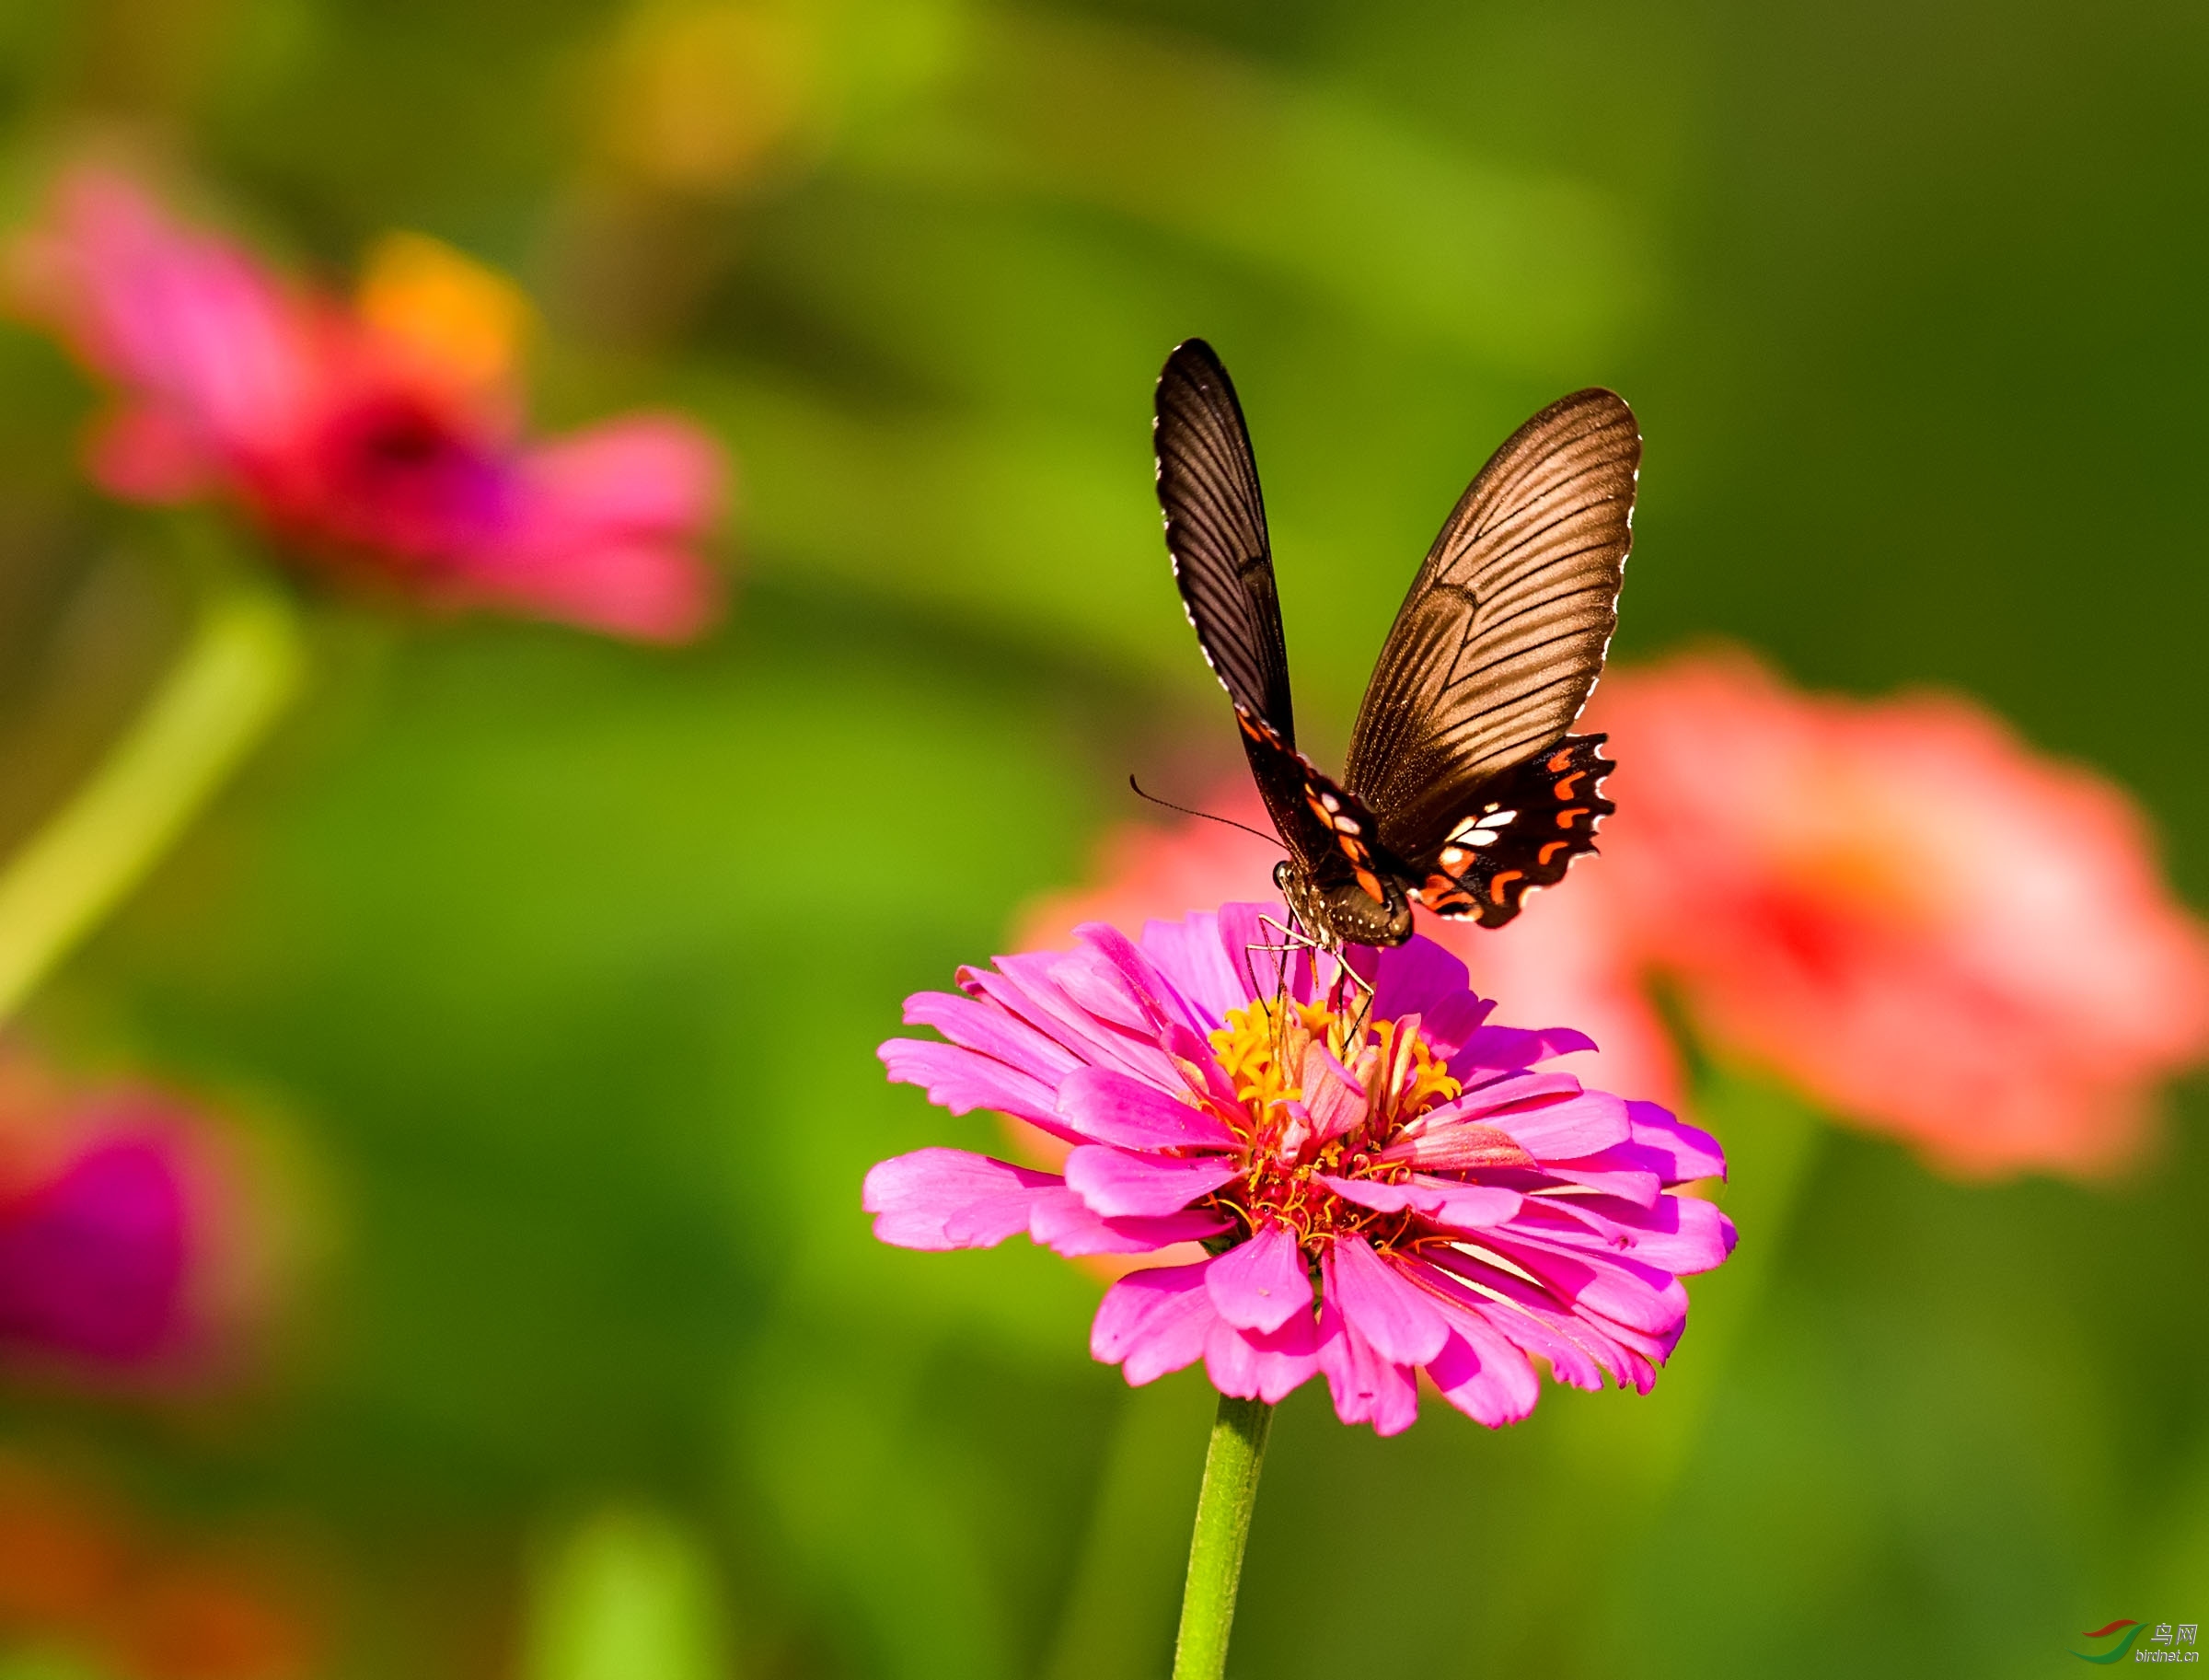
point(1230, 1491)
point(237, 671)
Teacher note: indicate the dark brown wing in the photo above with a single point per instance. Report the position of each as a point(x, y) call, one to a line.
point(1208, 484)
point(1502, 636)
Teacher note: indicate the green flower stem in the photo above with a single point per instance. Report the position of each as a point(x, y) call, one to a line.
point(1230, 1491)
point(236, 673)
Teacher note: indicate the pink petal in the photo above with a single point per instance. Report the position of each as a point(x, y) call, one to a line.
point(939, 1198)
point(643, 588)
point(1120, 1185)
point(1388, 1311)
point(1035, 987)
point(1640, 1297)
point(1641, 1188)
point(1682, 1234)
point(1481, 1375)
point(994, 1031)
point(1064, 1224)
point(1579, 1351)
point(1461, 1146)
point(1153, 1322)
point(1447, 1024)
point(1416, 976)
point(1109, 1107)
point(1468, 1206)
point(1261, 1284)
point(1199, 1059)
point(1117, 985)
point(1488, 1099)
point(962, 1081)
point(1688, 1152)
point(1503, 1047)
point(1259, 1364)
point(1332, 1094)
point(642, 475)
point(1188, 952)
point(1567, 1131)
point(144, 453)
point(1367, 1388)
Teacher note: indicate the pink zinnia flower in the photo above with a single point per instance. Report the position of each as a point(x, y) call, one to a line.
point(1901, 908)
point(122, 1251)
point(1384, 1190)
point(382, 440)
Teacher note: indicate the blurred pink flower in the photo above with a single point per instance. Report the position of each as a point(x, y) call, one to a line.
point(121, 1230)
point(382, 440)
point(1902, 909)
point(1461, 1208)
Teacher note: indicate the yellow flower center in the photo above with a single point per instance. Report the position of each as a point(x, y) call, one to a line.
point(1266, 1052)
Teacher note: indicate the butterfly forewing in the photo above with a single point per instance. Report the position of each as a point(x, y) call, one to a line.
point(1207, 486)
point(1502, 636)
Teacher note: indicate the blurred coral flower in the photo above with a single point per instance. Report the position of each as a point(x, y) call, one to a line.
point(124, 1248)
point(1384, 1188)
point(1895, 906)
point(1902, 909)
point(383, 440)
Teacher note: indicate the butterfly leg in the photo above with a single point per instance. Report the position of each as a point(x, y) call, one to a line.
point(1347, 979)
point(1292, 939)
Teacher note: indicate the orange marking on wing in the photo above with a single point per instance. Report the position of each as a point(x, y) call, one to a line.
point(1443, 893)
point(1564, 817)
point(1565, 787)
point(1370, 884)
point(1542, 858)
point(1559, 760)
point(1496, 885)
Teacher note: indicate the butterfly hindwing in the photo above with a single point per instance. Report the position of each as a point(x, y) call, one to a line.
point(1529, 825)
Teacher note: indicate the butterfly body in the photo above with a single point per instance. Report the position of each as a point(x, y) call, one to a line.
point(1462, 789)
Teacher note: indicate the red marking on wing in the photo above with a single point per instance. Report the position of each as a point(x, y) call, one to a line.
point(1496, 885)
point(1543, 857)
point(1564, 789)
point(1558, 761)
point(1564, 817)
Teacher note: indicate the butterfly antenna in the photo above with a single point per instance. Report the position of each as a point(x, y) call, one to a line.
point(1271, 839)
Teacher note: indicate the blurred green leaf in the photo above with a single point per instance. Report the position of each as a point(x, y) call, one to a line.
point(626, 1595)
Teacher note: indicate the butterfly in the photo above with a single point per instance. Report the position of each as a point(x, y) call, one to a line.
point(1464, 790)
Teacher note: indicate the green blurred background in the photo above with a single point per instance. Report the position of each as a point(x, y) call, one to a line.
point(558, 966)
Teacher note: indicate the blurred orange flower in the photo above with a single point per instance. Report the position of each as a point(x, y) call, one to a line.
point(1896, 906)
point(1904, 910)
point(79, 1573)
